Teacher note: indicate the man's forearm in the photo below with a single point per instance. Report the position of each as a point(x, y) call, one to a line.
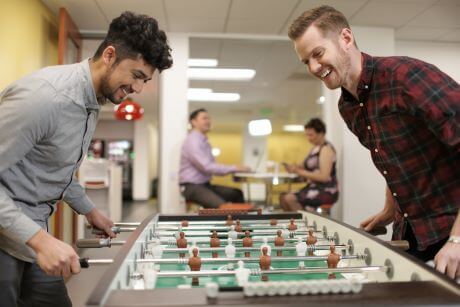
point(390, 204)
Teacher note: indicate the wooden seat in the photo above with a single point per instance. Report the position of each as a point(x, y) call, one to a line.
point(231, 208)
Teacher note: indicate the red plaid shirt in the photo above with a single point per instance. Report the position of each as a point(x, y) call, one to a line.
point(408, 116)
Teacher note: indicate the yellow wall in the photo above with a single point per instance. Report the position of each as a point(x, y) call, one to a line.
point(282, 147)
point(28, 38)
point(28, 41)
point(231, 152)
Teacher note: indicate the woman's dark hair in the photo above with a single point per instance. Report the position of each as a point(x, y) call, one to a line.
point(135, 35)
point(195, 113)
point(316, 124)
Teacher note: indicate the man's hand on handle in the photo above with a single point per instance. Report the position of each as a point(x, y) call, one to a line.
point(100, 221)
point(384, 217)
point(54, 257)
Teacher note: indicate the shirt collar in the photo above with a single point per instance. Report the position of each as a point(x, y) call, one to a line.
point(199, 134)
point(91, 102)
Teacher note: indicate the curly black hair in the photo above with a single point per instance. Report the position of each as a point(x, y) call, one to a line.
point(135, 35)
point(316, 124)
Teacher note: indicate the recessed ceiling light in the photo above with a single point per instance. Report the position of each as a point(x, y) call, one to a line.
point(202, 62)
point(234, 74)
point(205, 94)
point(293, 128)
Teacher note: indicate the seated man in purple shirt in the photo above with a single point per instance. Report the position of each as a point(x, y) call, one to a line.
point(197, 165)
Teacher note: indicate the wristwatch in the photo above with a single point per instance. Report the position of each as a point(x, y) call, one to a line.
point(454, 239)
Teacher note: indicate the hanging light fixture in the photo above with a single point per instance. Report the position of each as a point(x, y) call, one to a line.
point(129, 110)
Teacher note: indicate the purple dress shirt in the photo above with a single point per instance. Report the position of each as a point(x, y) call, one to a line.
point(197, 164)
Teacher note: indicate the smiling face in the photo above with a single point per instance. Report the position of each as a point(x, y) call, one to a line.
point(124, 77)
point(202, 122)
point(326, 55)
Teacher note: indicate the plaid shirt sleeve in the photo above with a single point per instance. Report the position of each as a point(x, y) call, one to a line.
point(440, 105)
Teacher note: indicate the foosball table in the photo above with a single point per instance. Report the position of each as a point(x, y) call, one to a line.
point(261, 259)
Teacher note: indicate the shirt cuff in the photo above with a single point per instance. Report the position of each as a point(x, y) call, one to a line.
point(22, 230)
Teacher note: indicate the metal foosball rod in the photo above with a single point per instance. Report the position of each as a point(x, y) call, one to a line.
point(227, 228)
point(221, 234)
point(115, 229)
point(248, 259)
point(107, 242)
point(86, 262)
point(224, 222)
point(127, 224)
point(257, 272)
point(254, 249)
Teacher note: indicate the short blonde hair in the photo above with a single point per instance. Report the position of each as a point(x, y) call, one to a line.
point(325, 17)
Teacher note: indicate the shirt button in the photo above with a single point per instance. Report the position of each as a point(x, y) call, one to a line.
point(366, 87)
point(376, 150)
point(394, 194)
point(385, 172)
point(361, 104)
point(406, 215)
point(368, 127)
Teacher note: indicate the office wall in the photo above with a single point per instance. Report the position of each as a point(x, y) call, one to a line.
point(446, 56)
point(28, 36)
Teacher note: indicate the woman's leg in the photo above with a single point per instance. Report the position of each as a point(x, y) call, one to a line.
point(291, 203)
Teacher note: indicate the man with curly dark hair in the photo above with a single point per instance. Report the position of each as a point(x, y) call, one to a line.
point(54, 112)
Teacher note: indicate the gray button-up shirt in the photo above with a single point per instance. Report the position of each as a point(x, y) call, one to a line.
point(47, 120)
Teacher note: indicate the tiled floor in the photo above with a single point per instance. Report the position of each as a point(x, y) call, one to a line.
point(81, 285)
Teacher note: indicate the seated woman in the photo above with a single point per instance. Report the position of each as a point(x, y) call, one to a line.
point(318, 170)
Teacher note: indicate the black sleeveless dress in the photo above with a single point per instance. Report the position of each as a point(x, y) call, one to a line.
point(315, 194)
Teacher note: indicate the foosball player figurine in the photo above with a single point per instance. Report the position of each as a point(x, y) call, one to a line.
point(279, 241)
point(273, 222)
point(181, 243)
point(194, 262)
point(332, 261)
point(184, 223)
point(264, 263)
point(238, 227)
point(229, 220)
point(247, 242)
point(292, 226)
point(311, 240)
point(214, 242)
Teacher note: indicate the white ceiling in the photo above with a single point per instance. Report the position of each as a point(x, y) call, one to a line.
point(281, 84)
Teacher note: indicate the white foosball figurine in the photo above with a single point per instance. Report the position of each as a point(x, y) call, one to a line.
point(177, 234)
point(137, 282)
point(301, 249)
point(285, 232)
point(242, 274)
point(232, 234)
point(265, 244)
point(156, 249)
point(150, 278)
point(230, 249)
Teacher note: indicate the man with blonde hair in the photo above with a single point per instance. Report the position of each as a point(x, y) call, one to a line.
point(406, 112)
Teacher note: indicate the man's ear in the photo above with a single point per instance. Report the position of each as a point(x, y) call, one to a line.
point(109, 55)
point(346, 36)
